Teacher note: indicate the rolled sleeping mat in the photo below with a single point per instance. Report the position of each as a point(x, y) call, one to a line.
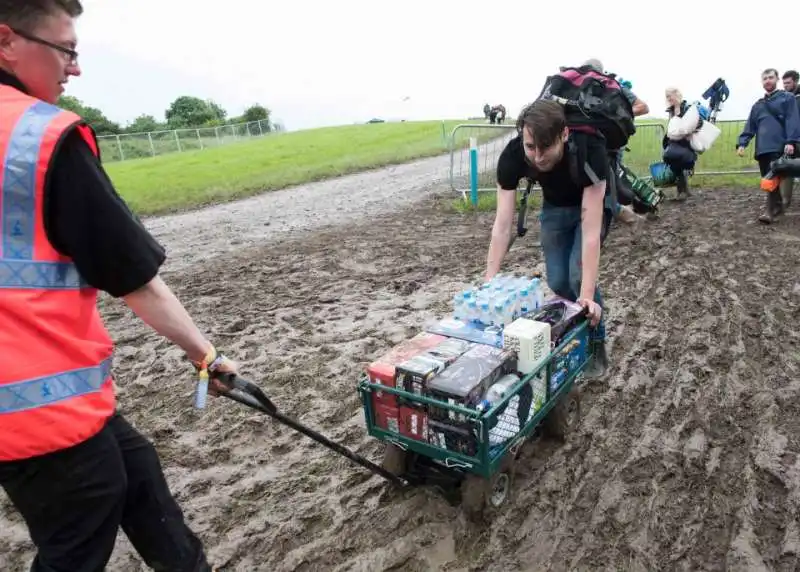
point(785, 167)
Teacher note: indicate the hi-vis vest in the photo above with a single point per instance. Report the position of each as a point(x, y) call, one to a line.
point(55, 353)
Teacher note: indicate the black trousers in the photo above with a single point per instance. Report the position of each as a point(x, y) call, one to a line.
point(75, 500)
point(764, 161)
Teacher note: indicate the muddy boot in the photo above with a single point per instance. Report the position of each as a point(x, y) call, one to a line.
point(627, 215)
point(598, 363)
point(768, 215)
point(787, 185)
point(683, 187)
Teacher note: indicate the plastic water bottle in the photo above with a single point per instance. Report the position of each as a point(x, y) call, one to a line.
point(485, 312)
point(458, 306)
point(472, 310)
point(537, 293)
point(499, 388)
point(525, 300)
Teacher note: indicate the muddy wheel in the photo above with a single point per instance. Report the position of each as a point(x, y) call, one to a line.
point(395, 459)
point(564, 417)
point(483, 498)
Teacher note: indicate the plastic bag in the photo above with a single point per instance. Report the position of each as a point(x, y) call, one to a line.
point(702, 139)
point(681, 127)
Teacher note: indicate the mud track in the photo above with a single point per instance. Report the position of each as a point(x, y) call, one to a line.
point(686, 456)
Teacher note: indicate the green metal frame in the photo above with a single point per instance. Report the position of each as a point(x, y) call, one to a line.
point(482, 464)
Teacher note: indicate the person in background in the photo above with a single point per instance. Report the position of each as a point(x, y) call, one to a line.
point(678, 153)
point(75, 469)
point(774, 121)
point(623, 213)
point(791, 83)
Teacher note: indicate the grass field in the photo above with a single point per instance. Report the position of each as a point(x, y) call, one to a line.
point(194, 178)
point(179, 181)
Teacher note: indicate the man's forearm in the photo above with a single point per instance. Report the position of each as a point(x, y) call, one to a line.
point(158, 307)
point(498, 246)
point(590, 265)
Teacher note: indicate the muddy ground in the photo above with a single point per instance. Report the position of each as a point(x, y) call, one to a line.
point(687, 455)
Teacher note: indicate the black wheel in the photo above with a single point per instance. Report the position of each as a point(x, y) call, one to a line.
point(564, 417)
point(395, 460)
point(482, 498)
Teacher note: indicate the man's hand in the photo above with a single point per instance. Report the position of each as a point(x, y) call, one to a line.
point(595, 312)
point(740, 151)
point(217, 363)
point(789, 149)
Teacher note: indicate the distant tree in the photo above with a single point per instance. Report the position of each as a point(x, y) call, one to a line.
point(144, 123)
point(93, 116)
point(189, 111)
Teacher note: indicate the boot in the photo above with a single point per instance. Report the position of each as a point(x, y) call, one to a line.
point(773, 207)
point(598, 362)
point(683, 187)
point(787, 185)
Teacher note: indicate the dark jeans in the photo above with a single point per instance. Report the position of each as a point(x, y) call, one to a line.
point(74, 501)
point(561, 243)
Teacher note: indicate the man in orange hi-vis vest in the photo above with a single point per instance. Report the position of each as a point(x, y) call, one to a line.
point(73, 467)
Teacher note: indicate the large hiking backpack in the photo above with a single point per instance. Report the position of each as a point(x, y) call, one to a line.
point(593, 102)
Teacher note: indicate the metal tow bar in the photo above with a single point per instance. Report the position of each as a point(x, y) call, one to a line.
point(248, 393)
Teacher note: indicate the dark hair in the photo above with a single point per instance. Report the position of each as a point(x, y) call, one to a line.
point(793, 75)
point(546, 121)
point(770, 70)
point(25, 15)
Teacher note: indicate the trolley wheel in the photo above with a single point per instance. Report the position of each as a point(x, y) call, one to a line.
point(482, 498)
point(564, 417)
point(395, 460)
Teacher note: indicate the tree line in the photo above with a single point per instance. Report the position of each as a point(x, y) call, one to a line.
point(186, 112)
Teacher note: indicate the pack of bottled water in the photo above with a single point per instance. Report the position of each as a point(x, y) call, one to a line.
point(500, 301)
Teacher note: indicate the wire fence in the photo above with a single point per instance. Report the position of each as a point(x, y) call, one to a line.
point(154, 143)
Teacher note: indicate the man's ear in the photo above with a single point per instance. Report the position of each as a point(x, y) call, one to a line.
point(565, 134)
point(7, 38)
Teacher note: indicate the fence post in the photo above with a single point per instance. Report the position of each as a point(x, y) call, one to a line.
point(177, 140)
point(216, 134)
point(199, 139)
point(119, 146)
point(260, 129)
point(473, 169)
point(152, 147)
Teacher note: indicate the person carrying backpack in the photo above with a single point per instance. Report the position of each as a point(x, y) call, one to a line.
point(563, 143)
point(774, 121)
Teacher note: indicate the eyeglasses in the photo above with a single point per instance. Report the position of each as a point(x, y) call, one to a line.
point(72, 54)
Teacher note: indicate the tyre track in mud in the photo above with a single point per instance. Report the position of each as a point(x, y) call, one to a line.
point(686, 456)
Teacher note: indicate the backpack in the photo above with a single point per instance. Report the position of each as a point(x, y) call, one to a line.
point(593, 102)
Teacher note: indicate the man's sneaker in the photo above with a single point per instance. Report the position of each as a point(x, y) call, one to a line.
point(598, 363)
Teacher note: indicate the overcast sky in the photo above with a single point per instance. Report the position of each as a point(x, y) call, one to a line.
point(320, 63)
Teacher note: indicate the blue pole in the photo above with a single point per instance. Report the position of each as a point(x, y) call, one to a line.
point(473, 169)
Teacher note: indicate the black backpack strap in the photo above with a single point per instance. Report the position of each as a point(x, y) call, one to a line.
point(523, 209)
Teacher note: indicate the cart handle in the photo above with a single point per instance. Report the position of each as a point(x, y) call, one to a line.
point(248, 393)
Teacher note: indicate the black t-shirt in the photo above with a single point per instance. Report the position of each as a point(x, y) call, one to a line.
point(559, 186)
point(85, 219)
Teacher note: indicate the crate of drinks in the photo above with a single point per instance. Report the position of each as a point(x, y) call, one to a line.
point(464, 392)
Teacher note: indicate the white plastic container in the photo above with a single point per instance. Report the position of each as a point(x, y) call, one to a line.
point(531, 342)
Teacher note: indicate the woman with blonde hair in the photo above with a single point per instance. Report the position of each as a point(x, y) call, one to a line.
point(678, 152)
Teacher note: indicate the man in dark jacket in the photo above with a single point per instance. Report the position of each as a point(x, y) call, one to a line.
point(774, 121)
point(791, 83)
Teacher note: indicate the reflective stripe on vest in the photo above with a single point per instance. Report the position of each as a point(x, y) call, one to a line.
point(18, 204)
point(52, 389)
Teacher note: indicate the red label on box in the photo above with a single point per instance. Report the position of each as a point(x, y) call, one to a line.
point(414, 423)
point(387, 418)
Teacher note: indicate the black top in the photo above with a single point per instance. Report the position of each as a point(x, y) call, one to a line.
point(559, 186)
point(85, 219)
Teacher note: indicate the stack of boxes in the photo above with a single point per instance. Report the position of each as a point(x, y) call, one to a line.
point(461, 371)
